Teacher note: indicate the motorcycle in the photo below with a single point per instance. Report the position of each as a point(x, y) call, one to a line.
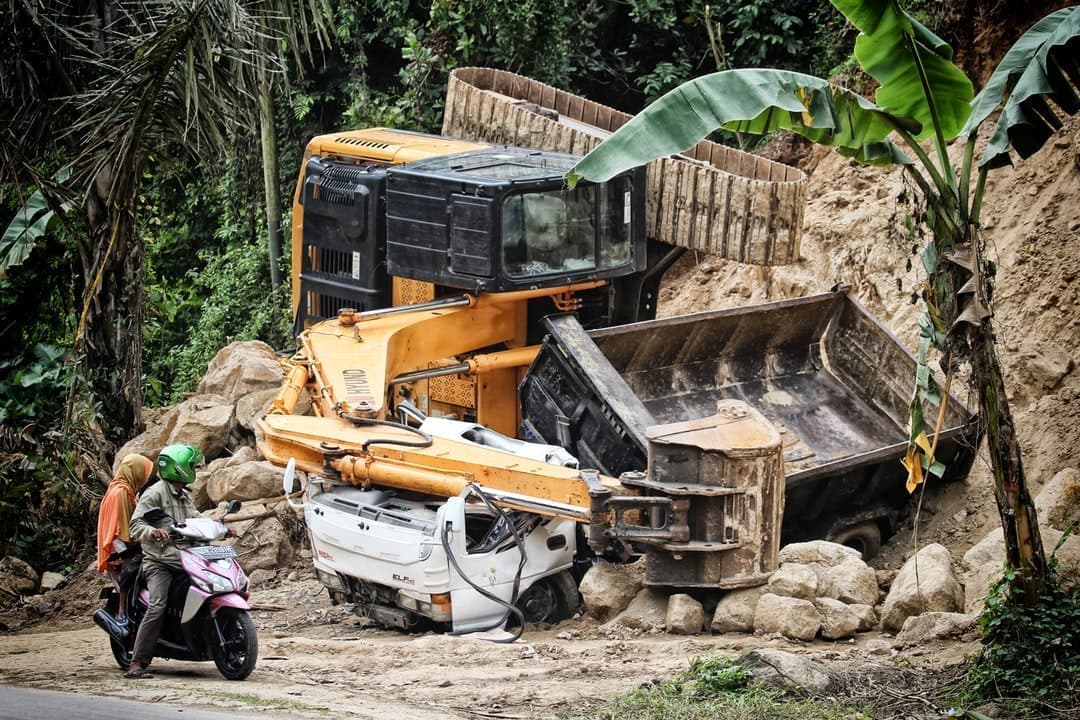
point(207, 612)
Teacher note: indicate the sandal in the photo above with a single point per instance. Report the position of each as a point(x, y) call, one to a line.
point(139, 673)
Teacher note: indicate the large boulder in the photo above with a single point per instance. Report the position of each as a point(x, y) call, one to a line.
point(204, 421)
point(787, 671)
point(647, 612)
point(685, 615)
point(735, 611)
point(242, 368)
point(868, 618)
point(937, 626)
point(242, 455)
point(251, 480)
point(1058, 503)
point(820, 552)
point(51, 581)
point(149, 442)
point(198, 489)
point(794, 580)
point(991, 549)
point(17, 578)
point(791, 617)
point(607, 588)
point(262, 542)
point(851, 581)
point(977, 584)
point(838, 620)
point(925, 583)
point(253, 406)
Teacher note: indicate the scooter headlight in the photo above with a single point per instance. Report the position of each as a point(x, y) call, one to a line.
point(213, 583)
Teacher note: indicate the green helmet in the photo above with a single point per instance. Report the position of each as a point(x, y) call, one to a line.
point(177, 462)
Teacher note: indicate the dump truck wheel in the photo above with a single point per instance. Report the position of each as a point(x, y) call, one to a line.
point(864, 537)
point(550, 600)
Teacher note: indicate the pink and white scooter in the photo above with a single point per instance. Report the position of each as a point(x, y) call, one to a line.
point(207, 616)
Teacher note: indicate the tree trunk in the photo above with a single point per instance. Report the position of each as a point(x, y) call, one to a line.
point(109, 337)
point(270, 179)
point(1019, 521)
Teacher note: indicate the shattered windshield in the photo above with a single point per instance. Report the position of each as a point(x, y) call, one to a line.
point(561, 231)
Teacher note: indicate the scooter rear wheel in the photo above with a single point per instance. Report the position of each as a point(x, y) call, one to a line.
point(121, 654)
point(236, 659)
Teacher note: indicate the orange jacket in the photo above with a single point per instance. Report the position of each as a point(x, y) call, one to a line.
point(114, 515)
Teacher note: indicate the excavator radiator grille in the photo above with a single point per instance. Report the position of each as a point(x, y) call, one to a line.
point(454, 390)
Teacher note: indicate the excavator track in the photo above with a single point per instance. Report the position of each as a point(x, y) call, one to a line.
point(712, 198)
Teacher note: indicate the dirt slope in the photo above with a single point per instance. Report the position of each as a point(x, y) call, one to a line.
point(853, 235)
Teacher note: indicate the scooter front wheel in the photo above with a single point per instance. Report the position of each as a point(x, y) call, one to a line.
point(235, 657)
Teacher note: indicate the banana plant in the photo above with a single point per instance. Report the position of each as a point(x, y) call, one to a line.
point(923, 102)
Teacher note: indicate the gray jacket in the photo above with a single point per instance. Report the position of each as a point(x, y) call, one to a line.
point(177, 506)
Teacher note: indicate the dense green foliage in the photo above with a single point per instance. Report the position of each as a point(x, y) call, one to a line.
point(1030, 655)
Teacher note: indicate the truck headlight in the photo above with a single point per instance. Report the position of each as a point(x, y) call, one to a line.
point(332, 581)
point(436, 607)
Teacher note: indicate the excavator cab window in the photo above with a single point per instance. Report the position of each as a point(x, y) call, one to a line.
point(565, 231)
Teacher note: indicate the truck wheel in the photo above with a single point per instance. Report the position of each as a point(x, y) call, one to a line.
point(235, 659)
point(864, 537)
point(550, 599)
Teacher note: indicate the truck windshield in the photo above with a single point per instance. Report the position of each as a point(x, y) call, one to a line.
point(561, 231)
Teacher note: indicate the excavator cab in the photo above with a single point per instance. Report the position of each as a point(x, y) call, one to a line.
point(503, 219)
point(381, 204)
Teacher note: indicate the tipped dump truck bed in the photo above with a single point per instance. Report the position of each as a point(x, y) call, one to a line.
point(834, 381)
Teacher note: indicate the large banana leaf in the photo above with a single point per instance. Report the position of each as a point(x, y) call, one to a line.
point(754, 101)
point(899, 52)
point(1042, 65)
point(30, 223)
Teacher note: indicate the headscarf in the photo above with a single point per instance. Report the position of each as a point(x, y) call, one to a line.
point(114, 515)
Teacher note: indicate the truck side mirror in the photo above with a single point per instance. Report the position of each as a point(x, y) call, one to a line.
point(288, 483)
point(454, 516)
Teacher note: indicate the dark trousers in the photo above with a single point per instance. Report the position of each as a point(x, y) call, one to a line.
point(158, 580)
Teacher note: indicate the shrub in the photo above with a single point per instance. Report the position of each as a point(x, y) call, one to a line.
point(1030, 655)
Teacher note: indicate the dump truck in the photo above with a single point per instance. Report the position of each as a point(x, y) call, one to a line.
point(832, 379)
point(434, 278)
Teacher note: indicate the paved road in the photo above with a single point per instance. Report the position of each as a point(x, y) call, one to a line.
point(31, 704)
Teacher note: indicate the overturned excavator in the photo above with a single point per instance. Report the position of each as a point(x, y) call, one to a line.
point(483, 403)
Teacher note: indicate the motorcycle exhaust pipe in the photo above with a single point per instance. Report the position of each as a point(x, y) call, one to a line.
point(108, 623)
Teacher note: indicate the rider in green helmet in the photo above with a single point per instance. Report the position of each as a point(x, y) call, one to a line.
point(176, 464)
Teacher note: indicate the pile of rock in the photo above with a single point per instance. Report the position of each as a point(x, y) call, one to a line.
point(825, 590)
point(240, 385)
point(18, 579)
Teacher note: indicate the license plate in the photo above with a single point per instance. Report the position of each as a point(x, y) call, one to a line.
point(215, 552)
